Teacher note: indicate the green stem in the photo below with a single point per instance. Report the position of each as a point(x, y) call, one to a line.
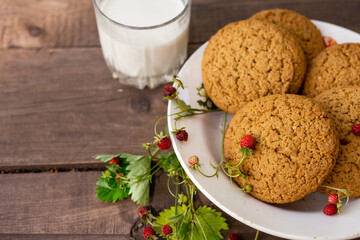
point(205, 175)
point(176, 200)
point(257, 234)
point(176, 195)
point(152, 155)
point(187, 191)
point(168, 186)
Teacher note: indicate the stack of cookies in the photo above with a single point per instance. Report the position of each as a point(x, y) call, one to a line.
point(256, 69)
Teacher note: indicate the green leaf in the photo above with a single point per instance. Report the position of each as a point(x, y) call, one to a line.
point(169, 162)
point(182, 105)
point(105, 158)
point(111, 195)
point(139, 175)
point(137, 171)
point(205, 223)
point(111, 189)
point(169, 217)
point(209, 223)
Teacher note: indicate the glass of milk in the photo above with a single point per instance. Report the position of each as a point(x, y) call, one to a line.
point(144, 42)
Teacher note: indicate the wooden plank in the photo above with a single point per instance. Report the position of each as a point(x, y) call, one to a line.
point(65, 108)
point(49, 23)
point(64, 206)
point(60, 109)
point(60, 203)
point(71, 23)
point(210, 15)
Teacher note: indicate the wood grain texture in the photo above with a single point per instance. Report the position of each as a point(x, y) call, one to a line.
point(62, 108)
point(71, 23)
point(47, 23)
point(65, 108)
point(210, 15)
point(60, 203)
point(64, 206)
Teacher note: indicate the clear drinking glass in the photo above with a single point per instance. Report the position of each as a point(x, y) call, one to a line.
point(144, 56)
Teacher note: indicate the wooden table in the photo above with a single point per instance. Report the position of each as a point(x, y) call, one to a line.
point(59, 106)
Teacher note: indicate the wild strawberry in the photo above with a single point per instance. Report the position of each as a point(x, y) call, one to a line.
point(182, 135)
point(333, 198)
point(166, 230)
point(234, 236)
point(356, 129)
point(114, 161)
point(193, 160)
point(330, 209)
point(169, 91)
point(247, 141)
point(329, 41)
point(143, 211)
point(164, 143)
point(184, 199)
point(148, 232)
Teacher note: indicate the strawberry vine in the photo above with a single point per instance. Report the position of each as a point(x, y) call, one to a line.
point(129, 175)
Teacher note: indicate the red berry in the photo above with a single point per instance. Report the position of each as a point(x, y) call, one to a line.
point(247, 141)
point(356, 129)
point(330, 209)
point(142, 211)
point(182, 135)
point(114, 161)
point(333, 198)
point(329, 41)
point(169, 91)
point(166, 230)
point(165, 143)
point(193, 160)
point(148, 231)
point(234, 236)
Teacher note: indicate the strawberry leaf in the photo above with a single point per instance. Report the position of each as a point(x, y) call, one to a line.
point(139, 175)
point(105, 158)
point(169, 217)
point(169, 162)
point(205, 223)
point(210, 223)
point(111, 195)
point(111, 187)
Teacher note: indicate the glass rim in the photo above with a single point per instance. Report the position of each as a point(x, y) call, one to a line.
point(142, 28)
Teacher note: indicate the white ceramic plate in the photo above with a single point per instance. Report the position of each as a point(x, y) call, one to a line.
point(299, 220)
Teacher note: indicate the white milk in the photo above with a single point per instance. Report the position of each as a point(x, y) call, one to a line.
point(144, 53)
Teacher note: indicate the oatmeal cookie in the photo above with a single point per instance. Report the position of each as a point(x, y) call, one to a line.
point(304, 30)
point(250, 59)
point(296, 146)
point(336, 66)
point(343, 105)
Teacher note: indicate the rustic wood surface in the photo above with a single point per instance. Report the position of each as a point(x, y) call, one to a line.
point(59, 106)
point(64, 203)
